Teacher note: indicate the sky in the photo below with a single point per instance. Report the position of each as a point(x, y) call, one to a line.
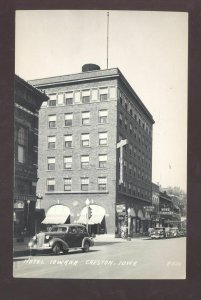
point(151, 50)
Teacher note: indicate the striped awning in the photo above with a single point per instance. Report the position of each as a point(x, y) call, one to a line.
point(97, 215)
point(57, 214)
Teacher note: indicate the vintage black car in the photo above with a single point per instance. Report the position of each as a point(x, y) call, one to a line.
point(61, 238)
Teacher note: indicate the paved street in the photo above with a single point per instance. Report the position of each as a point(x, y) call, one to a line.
point(117, 259)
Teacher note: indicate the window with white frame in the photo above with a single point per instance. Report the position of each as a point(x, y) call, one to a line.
point(85, 118)
point(50, 184)
point(67, 184)
point(68, 162)
point(69, 98)
point(103, 116)
point(85, 184)
point(68, 140)
point(51, 163)
point(60, 99)
point(102, 183)
point(84, 161)
point(51, 142)
point(69, 119)
point(102, 160)
point(103, 94)
point(103, 138)
point(86, 96)
point(52, 121)
point(52, 100)
point(22, 144)
point(85, 139)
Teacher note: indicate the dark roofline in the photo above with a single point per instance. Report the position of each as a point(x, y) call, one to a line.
point(84, 76)
point(34, 90)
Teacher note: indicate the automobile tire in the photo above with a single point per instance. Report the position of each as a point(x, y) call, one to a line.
point(65, 251)
point(56, 249)
point(86, 247)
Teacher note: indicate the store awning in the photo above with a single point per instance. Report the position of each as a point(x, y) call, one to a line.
point(57, 214)
point(97, 215)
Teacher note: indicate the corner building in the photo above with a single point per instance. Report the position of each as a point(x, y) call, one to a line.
point(80, 156)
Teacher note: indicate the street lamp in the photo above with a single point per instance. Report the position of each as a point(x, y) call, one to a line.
point(28, 203)
point(129, 223)
point(87, 213)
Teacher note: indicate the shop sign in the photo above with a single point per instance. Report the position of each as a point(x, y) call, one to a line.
point(149, 208)
point(166, 213)
point(19, 197)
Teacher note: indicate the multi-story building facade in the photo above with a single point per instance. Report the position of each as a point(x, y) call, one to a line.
point(95, 143)
point(27, 103)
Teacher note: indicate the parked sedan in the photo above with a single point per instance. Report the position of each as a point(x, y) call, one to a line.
point(61, 238)
point(158, 233)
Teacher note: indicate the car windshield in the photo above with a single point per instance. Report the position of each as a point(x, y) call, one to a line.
point(59, 229)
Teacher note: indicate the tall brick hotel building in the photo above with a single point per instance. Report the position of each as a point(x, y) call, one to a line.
point(95, 143)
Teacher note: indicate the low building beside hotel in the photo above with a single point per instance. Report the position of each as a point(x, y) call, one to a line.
point(27, 103)
point(95, 151)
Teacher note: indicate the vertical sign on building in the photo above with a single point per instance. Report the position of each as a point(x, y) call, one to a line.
point(120, 145)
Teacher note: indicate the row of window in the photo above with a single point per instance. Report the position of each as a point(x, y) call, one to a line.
point(102, 163)
point(132, 129)
point(84, 184)
point(84, 140)
point(132, 190)
point(81, 97)
point(132, 150)
point(84, 161)
point(129, 107)
point(85, 118)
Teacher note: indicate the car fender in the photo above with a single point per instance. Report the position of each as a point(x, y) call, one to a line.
point(88, 240)
point(56, 240)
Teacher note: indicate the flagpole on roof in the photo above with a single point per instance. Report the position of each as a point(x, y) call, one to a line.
point(107, 36)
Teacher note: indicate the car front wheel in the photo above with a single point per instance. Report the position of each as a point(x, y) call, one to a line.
point(86, 247)
point(56, 249)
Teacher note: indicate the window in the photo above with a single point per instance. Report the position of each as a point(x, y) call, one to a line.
point(102, 160)
point(134, 190)
point(130, 169)
point(125, 165)
point(60, 99)
point(129, 188)
point(103, 138)
point(85, 139)
point(86, 96)
point(102, 116)
point(102, 183)
point(51, 142)
point(68, 119)
point(68, 140)
point(131, 111)
point(84, 184)
point(22, 144)
point(130, 149)
point(85, 118)
point(67, 184)
point(51, 163)
point(125, 186)
point(69, 98)
point(120, 118)
point(134, 171)
point(103, 94)
point(52, 121)
point(50, 184)
point(84, 161)
point(125, 124)
point(131, 128)
point(68, 162)
point(53, 100)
